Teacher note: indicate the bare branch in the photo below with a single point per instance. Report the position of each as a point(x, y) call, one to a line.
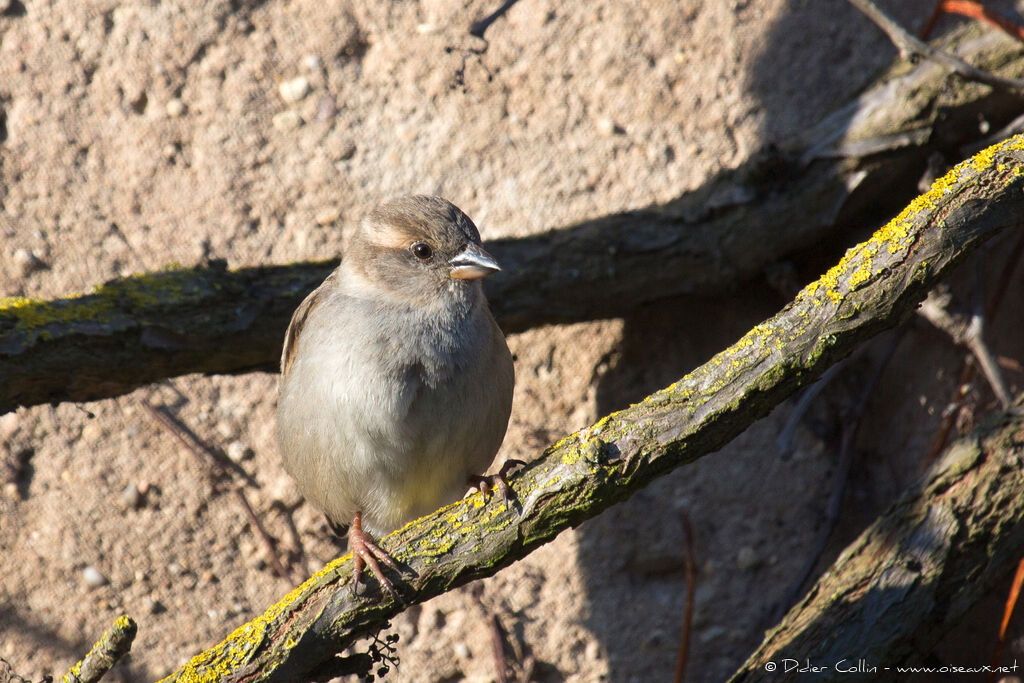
point(876, 286)
point(913, 574)
point(112, 645)
point(909, 46)
point(807, 192)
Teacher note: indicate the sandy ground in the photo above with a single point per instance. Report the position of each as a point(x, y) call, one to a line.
point(135, 135)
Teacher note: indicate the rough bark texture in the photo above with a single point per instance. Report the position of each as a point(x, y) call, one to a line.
point(112, 645)
point(860, 163)
point(875, 286)
point(914, 573)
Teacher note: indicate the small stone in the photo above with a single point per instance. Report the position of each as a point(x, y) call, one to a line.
point(93, 577)
point(326, 108)
point(608, 128)
point(747, 558)
point(238, 451)
point(461, 650)
point(27, 262)
point(327, 215)
point(294, 89)
point(425, 29)
point(312, 62)
point(592, 651)
point(175, 108)
point(348, 151)
point(131, 497)
point(175, 568)
point(286, 121)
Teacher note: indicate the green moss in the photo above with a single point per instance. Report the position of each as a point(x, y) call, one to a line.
point(121, 303)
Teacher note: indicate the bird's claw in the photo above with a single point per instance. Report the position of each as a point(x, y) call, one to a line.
point(366, 553)
point(485, 481)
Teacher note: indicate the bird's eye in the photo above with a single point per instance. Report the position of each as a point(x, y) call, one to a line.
point(422, 251)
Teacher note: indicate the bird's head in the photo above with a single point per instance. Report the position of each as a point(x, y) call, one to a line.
point(422, 249)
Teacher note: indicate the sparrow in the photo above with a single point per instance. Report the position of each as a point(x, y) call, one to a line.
point(396, 381)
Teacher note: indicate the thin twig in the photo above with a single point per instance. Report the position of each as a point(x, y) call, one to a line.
point(910, 46)
point(784, 441)
point(846, 451)
point(498, 648)
point(967, 371)
point(223, 465)
point(973, 10)
point(1011, 604)
point(497, 635)
point(967, 332)
point(691, 587)
point(108, 650)
point(199, 448)
point(975, 341)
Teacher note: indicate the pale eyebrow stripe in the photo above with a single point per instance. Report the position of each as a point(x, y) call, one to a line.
point(389, 237)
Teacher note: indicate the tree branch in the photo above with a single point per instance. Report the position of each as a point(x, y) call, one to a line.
point(857, 165)
point(909, 46)
point(912, 575)
point(112, 645)
point(876, 285)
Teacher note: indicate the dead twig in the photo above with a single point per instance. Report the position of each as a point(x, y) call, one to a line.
point(967, 371)
point(498, 648)
point(967, 332)
point(199, 448)
point(501, 668)
point(224, 466)
point(112, 645)
point(909, 46)
point(691, 588)
point(784, 441)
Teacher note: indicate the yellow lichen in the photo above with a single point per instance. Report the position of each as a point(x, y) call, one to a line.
point(899, 234)
point(235, 650)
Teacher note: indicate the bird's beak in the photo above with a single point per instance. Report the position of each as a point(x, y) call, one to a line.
point(472, 263)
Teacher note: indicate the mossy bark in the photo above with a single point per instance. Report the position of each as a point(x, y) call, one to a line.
point(913, 574)
point(859, 164)
point(875, 286)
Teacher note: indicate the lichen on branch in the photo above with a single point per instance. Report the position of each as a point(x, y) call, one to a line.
point(876, 286)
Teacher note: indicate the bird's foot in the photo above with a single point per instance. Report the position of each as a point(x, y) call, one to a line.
point(485, 482)
point(366, 553)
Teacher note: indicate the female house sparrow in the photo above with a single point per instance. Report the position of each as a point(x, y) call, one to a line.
point(396, 382)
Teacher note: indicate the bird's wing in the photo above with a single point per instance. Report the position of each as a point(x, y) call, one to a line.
point(299, 317)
